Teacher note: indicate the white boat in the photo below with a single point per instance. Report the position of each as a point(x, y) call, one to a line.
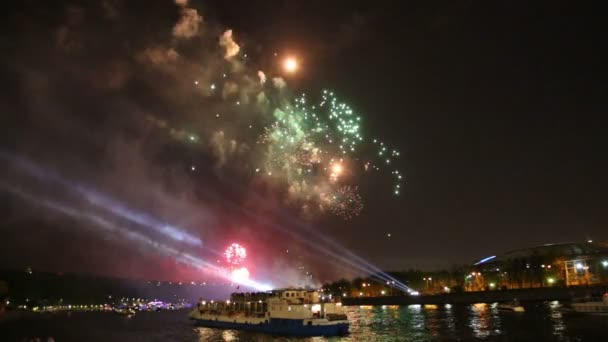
point(513, 306)
point(592, 307)
point(291, 312)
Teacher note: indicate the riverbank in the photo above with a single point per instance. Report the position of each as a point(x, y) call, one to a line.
point(533, 294)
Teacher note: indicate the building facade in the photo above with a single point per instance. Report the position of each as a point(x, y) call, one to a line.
point(564, 264)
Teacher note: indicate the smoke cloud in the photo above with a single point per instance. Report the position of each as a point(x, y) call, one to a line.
point(158, 55)
point(278, 82)
point(231, 48)
point(262, 77)
point(188, 24)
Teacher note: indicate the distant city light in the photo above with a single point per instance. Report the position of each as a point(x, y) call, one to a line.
point(579, 266)
point(605, 263)
point(550, 280)
point(382, 292)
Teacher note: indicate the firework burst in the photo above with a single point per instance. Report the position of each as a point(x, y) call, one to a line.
point(314, 147)
point(315, 150)
point(345, 202)
point(235, 254)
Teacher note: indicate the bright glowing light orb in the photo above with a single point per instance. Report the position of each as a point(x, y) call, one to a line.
point(235, 254)
point(290, 64)
point(337, 169)
point(240, 275)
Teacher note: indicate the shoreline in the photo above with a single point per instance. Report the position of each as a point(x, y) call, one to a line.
point(531, 294)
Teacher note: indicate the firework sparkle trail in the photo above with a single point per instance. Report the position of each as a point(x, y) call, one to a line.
point(235, 254)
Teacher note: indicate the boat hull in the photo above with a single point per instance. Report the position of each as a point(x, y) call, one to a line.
point(510, 308)
point(282, 327)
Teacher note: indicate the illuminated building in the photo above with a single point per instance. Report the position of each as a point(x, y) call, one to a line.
point(564, 264)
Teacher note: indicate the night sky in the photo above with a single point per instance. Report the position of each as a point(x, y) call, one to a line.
point(497, 110)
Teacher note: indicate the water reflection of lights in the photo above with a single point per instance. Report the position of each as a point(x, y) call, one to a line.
point(318, 339)
point(450, 319)
point(430, 307)
point(495, 318)
point(557, 319)
point(480, 320)
point(229, 335)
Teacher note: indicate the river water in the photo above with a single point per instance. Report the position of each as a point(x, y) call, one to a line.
point(541, 322)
